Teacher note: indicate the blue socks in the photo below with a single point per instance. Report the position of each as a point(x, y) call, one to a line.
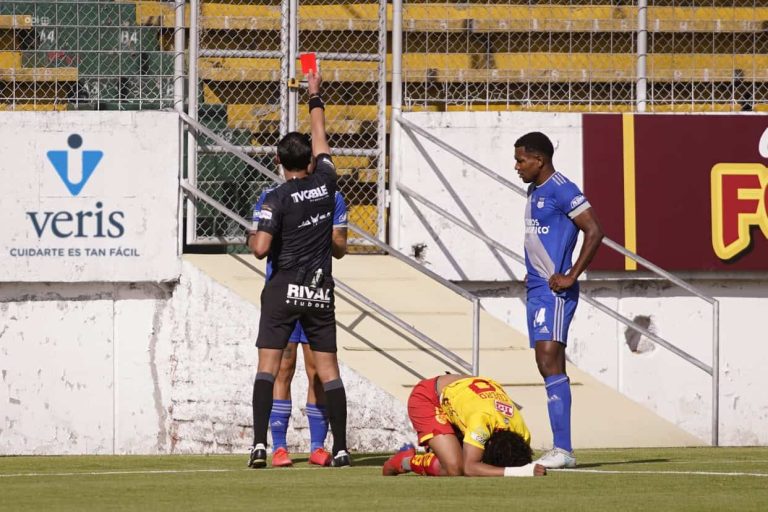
point(318, 426)
point(559, 405)
point(278, 422)
point(281, 416)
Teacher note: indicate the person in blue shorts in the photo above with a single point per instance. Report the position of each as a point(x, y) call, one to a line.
point(317, 416)
point(555, 212)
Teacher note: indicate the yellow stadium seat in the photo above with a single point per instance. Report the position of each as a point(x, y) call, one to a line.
point(16, 21)
point(38, 107)
point(9, 60)
point(38, 75)
point(419, 17)
point(510, 67)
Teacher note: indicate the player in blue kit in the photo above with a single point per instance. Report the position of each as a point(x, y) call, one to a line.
point(281, 406)
point(555, 213)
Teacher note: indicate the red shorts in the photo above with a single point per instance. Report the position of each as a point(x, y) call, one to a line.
point(425, 413)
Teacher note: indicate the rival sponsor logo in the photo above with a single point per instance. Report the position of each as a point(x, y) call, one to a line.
point(739, 196)
point(304, 296)
point(311, 194)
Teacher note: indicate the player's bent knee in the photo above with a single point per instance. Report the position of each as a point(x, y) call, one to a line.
point(453, 470)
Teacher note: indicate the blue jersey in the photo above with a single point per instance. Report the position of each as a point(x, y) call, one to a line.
point(550, 233)
point(339, 218)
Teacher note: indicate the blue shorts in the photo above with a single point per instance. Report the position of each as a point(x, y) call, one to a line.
point(549, 317)
point(298, 336)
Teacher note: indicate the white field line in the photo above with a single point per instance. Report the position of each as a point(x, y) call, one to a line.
point(287, 470)
point(631, 472)
point(164, 472)
point(134, 472)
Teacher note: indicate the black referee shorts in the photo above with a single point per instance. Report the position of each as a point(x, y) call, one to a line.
point(284, 303)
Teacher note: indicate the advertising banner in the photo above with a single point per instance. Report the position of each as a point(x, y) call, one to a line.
point(89, 196)
point(687, 192)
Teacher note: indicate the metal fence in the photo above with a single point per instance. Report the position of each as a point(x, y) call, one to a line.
point(85, 54)
point(549, 55)
point(250, 91)
point(583, 55)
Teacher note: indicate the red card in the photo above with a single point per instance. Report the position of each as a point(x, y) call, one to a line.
point(308, 63)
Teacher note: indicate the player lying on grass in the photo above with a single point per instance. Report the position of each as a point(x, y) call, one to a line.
point(470, 426)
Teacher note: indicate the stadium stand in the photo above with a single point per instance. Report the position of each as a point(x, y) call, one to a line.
point(94, 54)
point(553, 55)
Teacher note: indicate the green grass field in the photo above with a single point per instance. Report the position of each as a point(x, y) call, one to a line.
point(694, 479)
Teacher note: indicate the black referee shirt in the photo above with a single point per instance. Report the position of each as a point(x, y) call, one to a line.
point(299, 216)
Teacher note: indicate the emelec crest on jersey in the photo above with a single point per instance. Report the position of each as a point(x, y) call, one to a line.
point(304, 296)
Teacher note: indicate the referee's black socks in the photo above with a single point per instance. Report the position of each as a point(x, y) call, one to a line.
point(336, 405)
point(262, 406)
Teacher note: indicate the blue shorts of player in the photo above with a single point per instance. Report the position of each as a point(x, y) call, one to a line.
point(298, 336)
point(549, 317)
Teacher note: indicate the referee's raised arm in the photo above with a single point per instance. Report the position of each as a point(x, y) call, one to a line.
point(317, 115)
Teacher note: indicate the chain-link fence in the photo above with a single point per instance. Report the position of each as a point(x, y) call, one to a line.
point(553, 55)
point(85, 54)
point(566, 55)
point(251, 92)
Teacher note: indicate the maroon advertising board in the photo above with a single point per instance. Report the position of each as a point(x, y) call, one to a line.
point(690, 192)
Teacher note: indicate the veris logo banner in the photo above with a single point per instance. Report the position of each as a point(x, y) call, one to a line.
point(89, 196)
point(689, 192)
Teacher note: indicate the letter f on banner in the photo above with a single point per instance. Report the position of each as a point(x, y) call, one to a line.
point(739, 195)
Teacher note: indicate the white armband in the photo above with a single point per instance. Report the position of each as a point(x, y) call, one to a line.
point(526, 470)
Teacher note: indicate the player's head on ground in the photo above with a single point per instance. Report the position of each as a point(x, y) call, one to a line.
point(533, 154)
point(294, 152)
point(507, 449)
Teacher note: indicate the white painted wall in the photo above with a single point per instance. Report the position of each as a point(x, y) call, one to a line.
point(674, 389)
point(660, 380)
point(149, 368)
point(488, 137)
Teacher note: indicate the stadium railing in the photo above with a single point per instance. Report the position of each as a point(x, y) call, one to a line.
point(198, 195)
point(409, 195)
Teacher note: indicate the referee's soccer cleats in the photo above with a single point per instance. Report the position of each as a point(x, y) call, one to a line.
point(258, 457)
point(557, 458)
point(320, 457)
point(394, 465)
point(341, 459)
point(281, 459)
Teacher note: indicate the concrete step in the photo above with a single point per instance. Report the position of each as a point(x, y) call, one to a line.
point(395, 360)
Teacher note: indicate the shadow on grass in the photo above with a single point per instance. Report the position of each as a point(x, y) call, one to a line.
point(619, 462)
point(358, 459)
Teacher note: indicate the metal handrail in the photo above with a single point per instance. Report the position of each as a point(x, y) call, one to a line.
point(202, 196)
point(515, 256)
point(194, 192)
point(714, 370)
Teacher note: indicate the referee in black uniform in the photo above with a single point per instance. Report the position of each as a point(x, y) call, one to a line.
point(295, 227)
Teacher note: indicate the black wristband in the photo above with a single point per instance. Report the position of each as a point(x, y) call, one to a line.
point(316, 102)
